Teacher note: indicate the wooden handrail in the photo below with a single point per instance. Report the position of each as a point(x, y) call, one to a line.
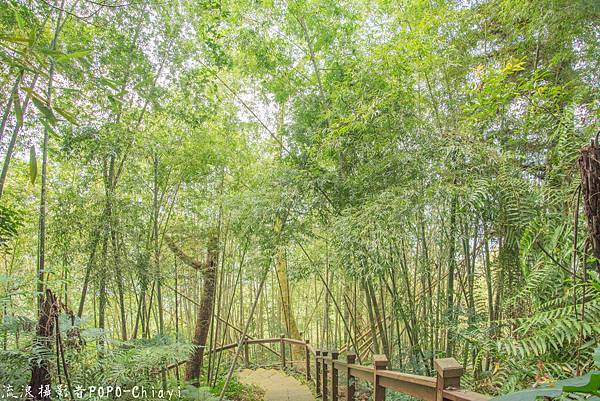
point(362, 372)
point(446, 387)
point(295, 342)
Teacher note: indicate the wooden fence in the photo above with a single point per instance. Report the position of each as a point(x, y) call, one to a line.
point(323, 368)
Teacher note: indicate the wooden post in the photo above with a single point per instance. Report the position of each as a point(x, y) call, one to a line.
point(282, 350)
point(449, 372)
point(246, 353)
point(307, 360)
point(350, 380)
point(318, 371)
point(380, 362)
point(334, 376)
point(324, 392)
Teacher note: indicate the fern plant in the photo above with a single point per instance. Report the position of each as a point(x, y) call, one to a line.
point(581, 387)
point(555, 342)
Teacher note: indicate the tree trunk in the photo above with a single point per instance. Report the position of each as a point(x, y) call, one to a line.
point(88, 272)
point(40, 371)
point(285, 297)
point(194, 365)
point(589, 163)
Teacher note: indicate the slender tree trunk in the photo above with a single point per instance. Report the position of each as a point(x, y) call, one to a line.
point(378, 319)
point(285, 297)
point(156, 206)
point(176, 311)
point(450, 286)
point(429, 284)
point(490, 290)
point(88, 272)
point(103, 296)
point(119, 280)
point(372, 323)
point(43, 200)
point(42, 223)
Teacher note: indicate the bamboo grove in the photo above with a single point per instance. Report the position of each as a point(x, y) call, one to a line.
point(409, 178)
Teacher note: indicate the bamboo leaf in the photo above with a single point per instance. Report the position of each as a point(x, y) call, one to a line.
point(44, 109)
point(19, 19)
point(529, 395)
point(51, 53)
point(15, 39)
point(18, 108)
point(47, 125)
point(68, 116)
point(32, 165)
point(77, 54)
point(110, 83)
point(592, 385)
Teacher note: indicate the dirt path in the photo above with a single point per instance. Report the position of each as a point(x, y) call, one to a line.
point(277, 385)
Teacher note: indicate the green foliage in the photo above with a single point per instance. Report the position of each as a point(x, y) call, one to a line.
point(397, 142)
point(586, 384)
point(552, 343)
point(10, 221)
point(135, 362)
point(237, 391)
point(198, 394)
point(14, 367)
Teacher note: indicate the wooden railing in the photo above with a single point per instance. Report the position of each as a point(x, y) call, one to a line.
point(327, 368)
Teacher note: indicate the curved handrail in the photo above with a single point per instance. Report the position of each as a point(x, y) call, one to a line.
point(293, 341)
point(259, 341)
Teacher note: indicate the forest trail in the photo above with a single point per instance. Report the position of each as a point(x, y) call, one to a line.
point(277, 385)
point(338, 188)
